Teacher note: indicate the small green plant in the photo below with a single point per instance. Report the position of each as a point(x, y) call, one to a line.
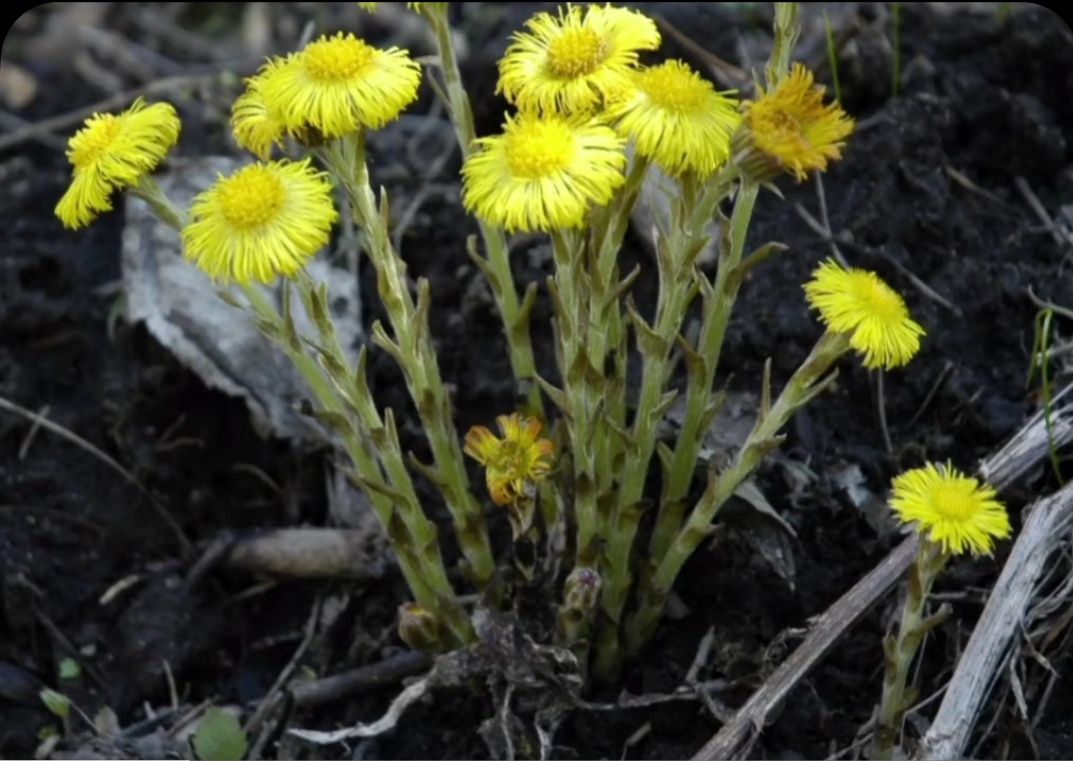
point(832, 56)
point(953, 514)
point(219, 737)
point(1040, 362)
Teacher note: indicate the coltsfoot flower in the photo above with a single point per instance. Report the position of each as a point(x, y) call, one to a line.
point(951, 509)
point(113, 152)
point(576, 60)
point(543, 173)
point(791, 125)
point(677, 119)
point(339, 85)
point(520, 457)
point(254, 126)
point(874, 315)
point(263, 221)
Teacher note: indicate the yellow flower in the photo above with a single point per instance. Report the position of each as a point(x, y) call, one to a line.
point(254, 126)
point(677, 119)
point(951, 509)
point(112, 152)
point(513, 461)
point(339, 85)
point(263, 221)
point(543, 172)
point(857, 302)
point(791, 125)
point(576, 60)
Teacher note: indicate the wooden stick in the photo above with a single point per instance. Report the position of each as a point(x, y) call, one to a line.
point(1027, 447)
point(989, 645)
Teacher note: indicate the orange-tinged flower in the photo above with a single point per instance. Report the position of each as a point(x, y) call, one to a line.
point(791, 125)
point(518, 458)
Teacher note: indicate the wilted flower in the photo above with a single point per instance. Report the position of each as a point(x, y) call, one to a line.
point(520, 457)
point(791, 125)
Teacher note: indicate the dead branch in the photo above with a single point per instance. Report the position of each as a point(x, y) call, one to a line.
point(989, 646)
point(1027, 447)
point(332, 688)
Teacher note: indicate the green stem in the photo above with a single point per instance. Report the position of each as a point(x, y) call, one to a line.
point(413, 536)
point(806, 383)
point(411, 346)
point(161, 206)
point(901, 649)
point(699, 395)
point(514, 313)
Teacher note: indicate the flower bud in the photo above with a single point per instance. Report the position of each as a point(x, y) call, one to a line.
point(419, 628)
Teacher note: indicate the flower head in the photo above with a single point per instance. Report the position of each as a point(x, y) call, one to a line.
point(576, 60)
point(543, 172)
point(112, 152)
point(253, 125)
point(520, 457)
point(857, 302)
point(791, 125)
point(677, 119)
point(263, 221)
point(951, 509)
point(339, 85)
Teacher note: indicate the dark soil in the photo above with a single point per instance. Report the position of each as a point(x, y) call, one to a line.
point(983, 96)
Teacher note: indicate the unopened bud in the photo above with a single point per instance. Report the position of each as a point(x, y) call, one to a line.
point(581, 592)
point(419, 628)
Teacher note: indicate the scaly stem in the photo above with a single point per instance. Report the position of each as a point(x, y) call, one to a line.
point(411, 346)
point(496, 266)
point(676, 255)
point(393, 501)
point(900, 650)
point(804, 385)
point(699, 396)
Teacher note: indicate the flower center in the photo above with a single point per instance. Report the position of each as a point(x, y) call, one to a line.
point(337, 59)
point(538, 149)
point(251, 197)
point(676, 88)
point(511, 460)
point(93, 141)
point(879, 299)
point(575, 53)
point(953, 503)
point(780, 125)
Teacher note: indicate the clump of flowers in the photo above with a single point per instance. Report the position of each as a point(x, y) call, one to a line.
point(570, 163)
point(953, 514)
